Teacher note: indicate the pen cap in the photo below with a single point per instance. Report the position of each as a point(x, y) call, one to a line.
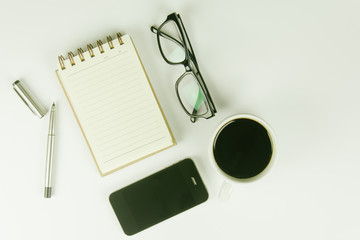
point(34, 106)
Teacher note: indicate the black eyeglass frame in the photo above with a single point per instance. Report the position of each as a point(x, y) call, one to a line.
point(189, 63)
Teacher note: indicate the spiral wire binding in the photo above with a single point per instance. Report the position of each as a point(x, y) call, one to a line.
point(80, 53)
point(61, 61)
point(71, 58)
point(90, 47)
point(90, 50)
point(99, 44)
point(109, 40)
point(119, 38)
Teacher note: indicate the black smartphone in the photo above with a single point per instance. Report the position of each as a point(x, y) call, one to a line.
point(158, 197)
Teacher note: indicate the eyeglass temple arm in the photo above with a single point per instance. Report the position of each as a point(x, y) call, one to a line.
point(188, 39)
point(155, 30)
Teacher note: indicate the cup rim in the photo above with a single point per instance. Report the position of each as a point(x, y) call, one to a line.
point(273, 144)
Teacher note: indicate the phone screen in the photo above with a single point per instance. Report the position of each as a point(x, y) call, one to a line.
point(158, 197)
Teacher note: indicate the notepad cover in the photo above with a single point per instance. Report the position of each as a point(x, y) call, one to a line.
point(115, 105)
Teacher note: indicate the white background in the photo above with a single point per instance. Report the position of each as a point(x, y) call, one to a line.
point(293, 63)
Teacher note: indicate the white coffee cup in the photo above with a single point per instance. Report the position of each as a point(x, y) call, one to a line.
point(229, 180)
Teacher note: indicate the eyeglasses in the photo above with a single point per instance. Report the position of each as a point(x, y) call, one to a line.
point(175, 48)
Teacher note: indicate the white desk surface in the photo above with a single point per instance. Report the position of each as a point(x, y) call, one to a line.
point(293, 63)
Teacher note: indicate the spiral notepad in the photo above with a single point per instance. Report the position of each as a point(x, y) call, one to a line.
point(114, 103)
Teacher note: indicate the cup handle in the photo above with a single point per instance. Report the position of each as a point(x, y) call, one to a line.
point(225, 192)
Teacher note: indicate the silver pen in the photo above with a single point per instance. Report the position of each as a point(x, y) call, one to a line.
point(49, 153)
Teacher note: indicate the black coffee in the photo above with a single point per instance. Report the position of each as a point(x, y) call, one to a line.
point(242, 148)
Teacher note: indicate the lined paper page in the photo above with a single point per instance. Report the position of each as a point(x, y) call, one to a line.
point(115, 106)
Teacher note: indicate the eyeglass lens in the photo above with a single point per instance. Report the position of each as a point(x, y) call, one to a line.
point(191, 95)
point(171, 42)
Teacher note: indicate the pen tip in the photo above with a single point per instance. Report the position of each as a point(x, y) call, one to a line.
point(47, 192)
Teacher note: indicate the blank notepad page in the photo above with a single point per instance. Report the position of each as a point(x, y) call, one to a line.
point(115, 106)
